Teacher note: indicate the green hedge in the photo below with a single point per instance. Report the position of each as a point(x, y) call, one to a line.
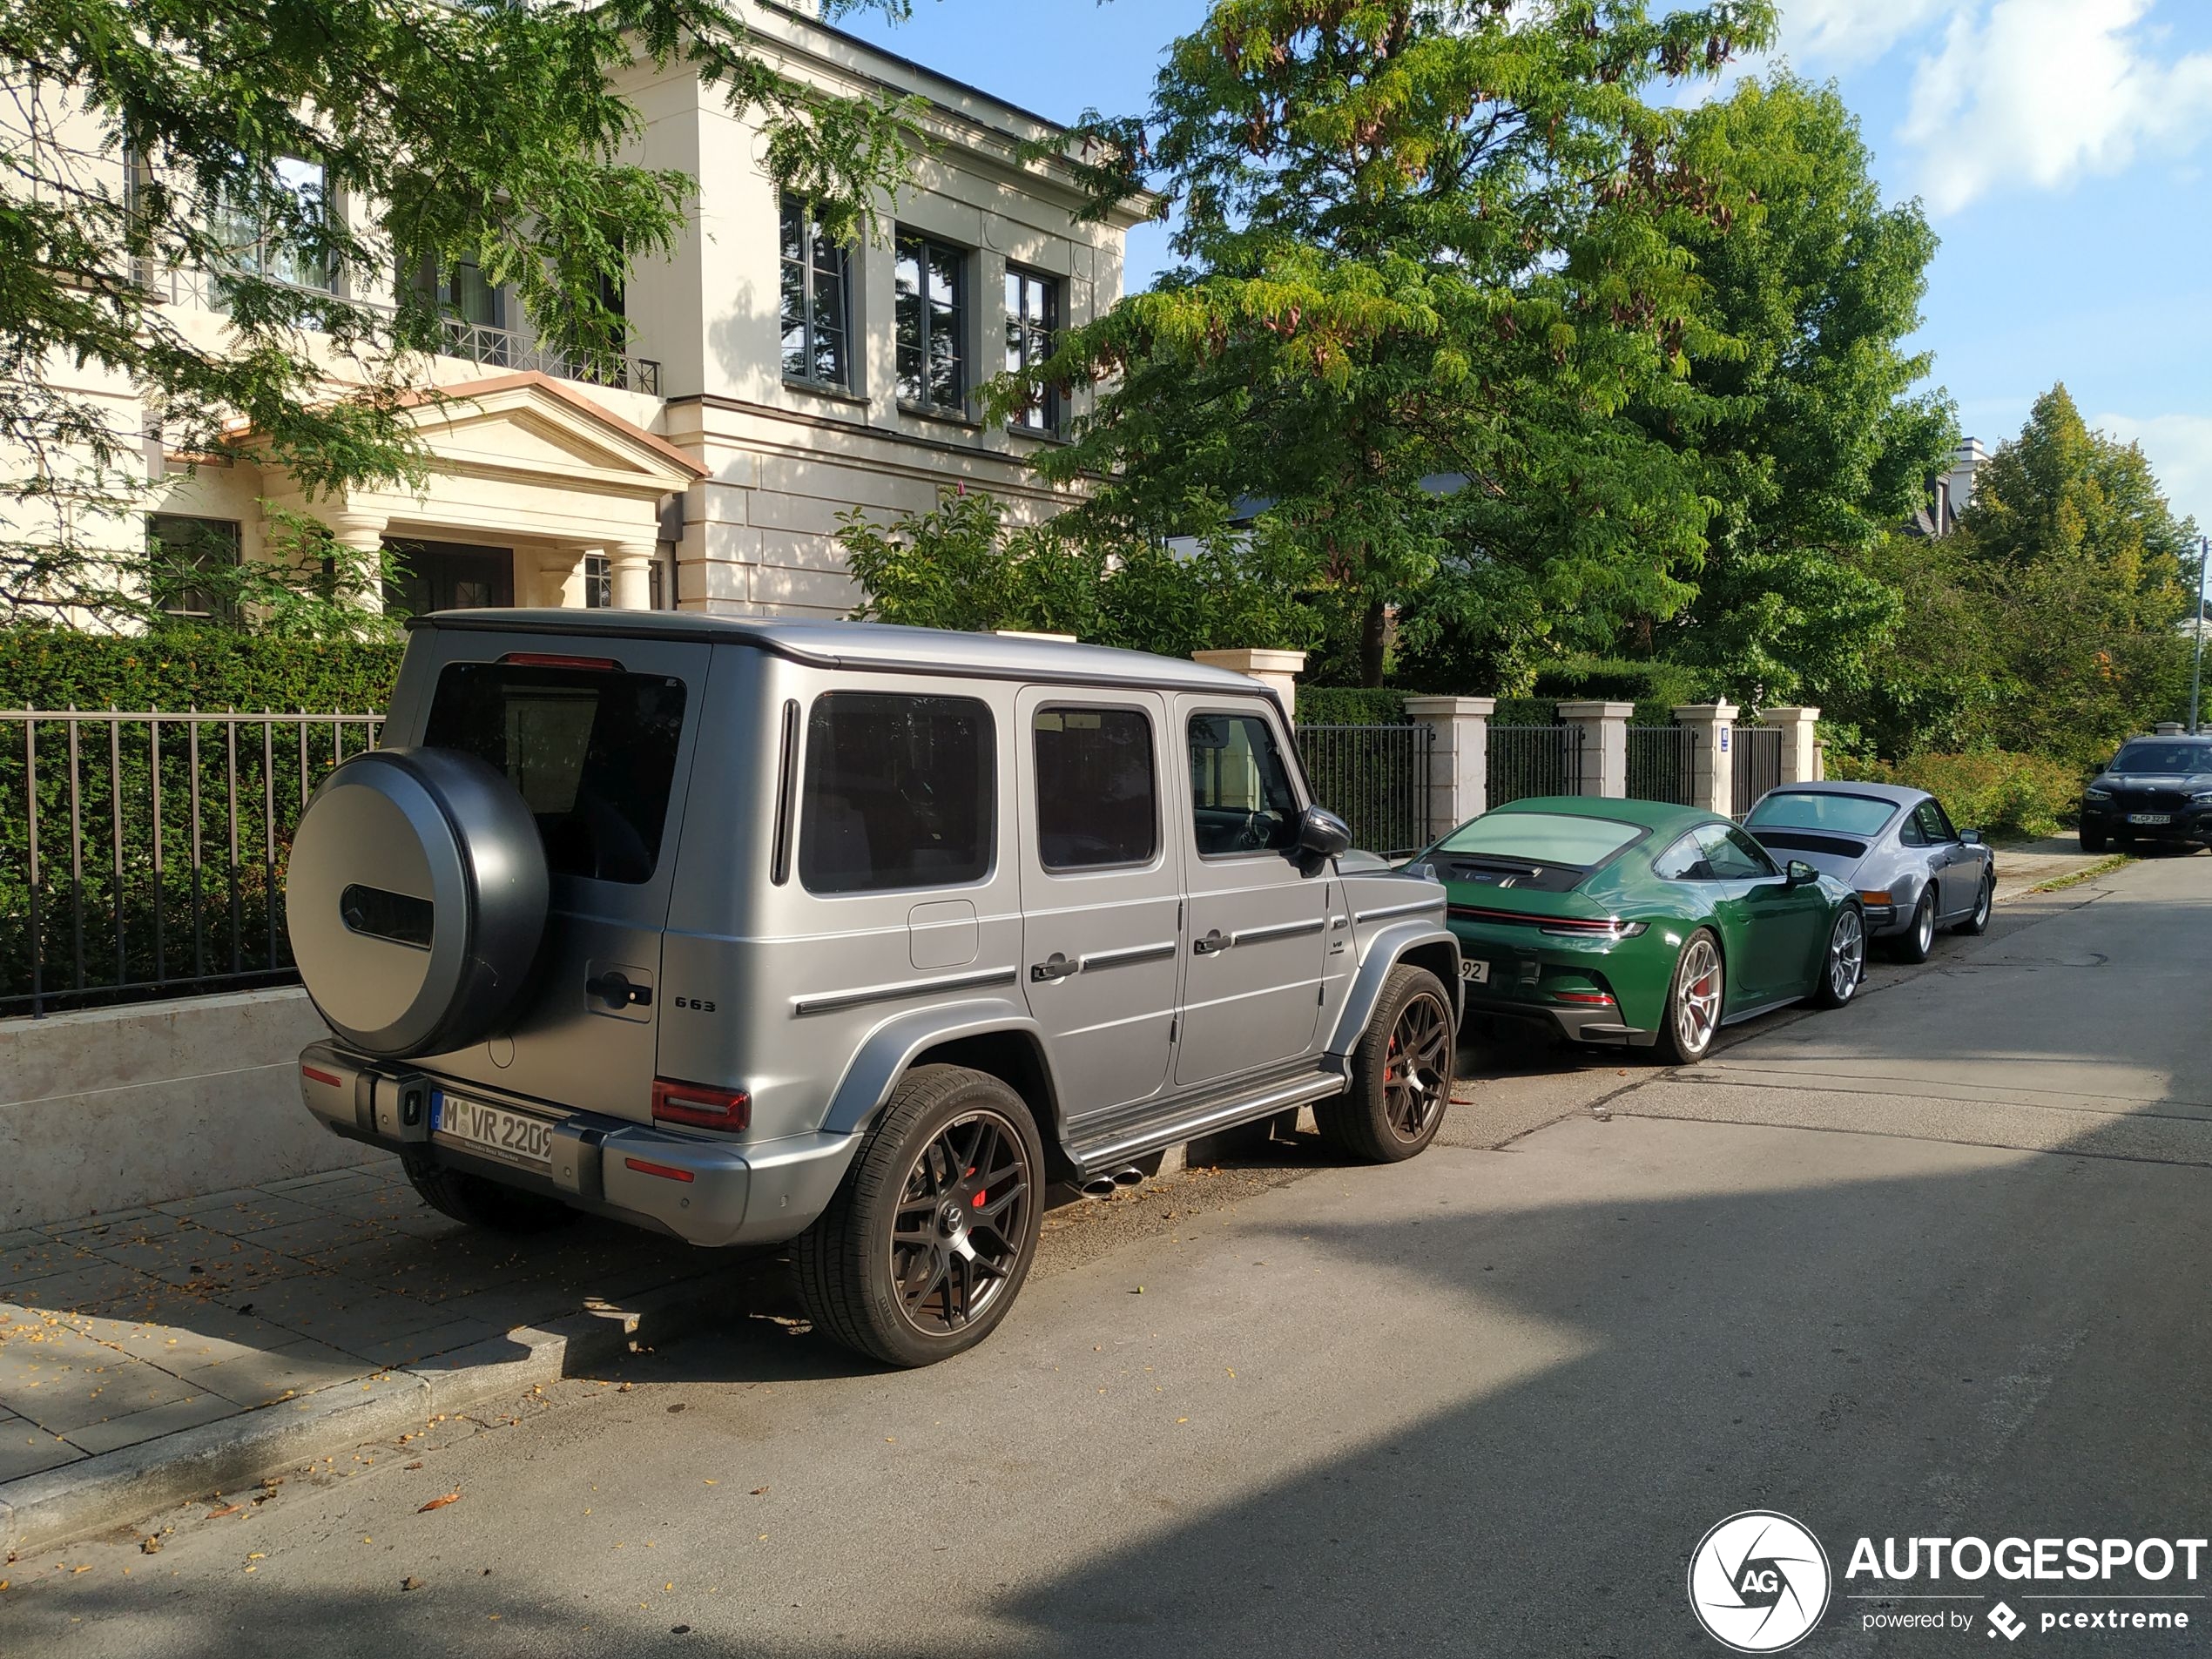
point(1526, 711)
point(1996, 791)
point(1350, 705)
point(1656, 689)
point(187, 667)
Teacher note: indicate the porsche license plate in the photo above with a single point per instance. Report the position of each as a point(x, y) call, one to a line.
point(2151, 818)
point(1474, 972)
point(494, 1131)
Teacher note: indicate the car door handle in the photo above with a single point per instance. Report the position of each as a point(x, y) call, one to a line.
point(617, 992)
point(1214, 941)
point(1054, 967)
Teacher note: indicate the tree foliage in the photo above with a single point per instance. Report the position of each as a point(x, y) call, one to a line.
point(1434, 268)
point(214, 143)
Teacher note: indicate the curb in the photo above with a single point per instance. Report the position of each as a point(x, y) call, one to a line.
point(115, 1488)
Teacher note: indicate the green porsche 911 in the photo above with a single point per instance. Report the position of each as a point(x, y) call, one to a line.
point(1638, 923)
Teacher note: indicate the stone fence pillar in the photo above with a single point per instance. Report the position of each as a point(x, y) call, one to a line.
point(1276, 670)
point(1712, 762)
point(1800, 743)
point(1459, 757)
point(1604, 726)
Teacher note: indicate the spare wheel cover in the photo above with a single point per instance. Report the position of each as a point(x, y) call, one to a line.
point(416, 899)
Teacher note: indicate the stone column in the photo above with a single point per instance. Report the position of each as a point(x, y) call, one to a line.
point(1276, 670)
point(556, 569)
point(359, 533)
point(1459, 757)
point(1712, 759)
point(1800, 743)
point(1605, 747)
point(630, 565)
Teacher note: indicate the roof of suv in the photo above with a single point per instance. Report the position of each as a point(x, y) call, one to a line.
point(866, 644)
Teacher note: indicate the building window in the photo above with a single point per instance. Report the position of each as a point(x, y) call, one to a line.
point(1032, 318)
point(932, 320)
point(253, 246)
point(182, 552)
point(816, 322)
point(598, 582)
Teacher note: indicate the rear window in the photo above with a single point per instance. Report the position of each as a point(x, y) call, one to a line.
point(592, 751)
point(897, 792)
point(1542, 837)
point(1813, 809)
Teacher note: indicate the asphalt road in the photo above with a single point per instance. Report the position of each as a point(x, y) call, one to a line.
point(1933, 1265)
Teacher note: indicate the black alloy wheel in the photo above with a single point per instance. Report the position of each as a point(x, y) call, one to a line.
point(1401, 1073)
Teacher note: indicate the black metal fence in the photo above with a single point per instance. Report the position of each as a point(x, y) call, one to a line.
point(1757, 766)
point(1660, 762)
point(1525, 761)
point(1376, 778)
point(142, 854)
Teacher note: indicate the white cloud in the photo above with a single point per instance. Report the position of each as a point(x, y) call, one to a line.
point(1839, 34)
point(2041, 93)
point(2180, 451)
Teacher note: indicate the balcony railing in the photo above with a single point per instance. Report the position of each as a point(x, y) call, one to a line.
point(476, 342)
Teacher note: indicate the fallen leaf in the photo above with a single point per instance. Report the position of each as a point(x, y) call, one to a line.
point(217, 1515)
point(410, 1583)
point(416, 1464)
point(150, 1546)
point(259, 1556)
point(439, 1503)
point(761, 1492)
point(75, 1570)
point(678, 1406)
point(680, 1629)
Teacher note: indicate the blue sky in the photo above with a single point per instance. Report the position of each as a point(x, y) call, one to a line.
point(2063, 149)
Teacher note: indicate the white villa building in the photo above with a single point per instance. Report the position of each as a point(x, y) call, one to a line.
point(776, 379)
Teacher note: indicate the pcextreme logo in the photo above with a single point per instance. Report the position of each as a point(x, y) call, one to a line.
point(1758, 1581)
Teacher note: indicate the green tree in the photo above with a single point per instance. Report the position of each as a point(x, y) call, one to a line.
point(1432, 266)
point(492, 134)
point(1813, 446)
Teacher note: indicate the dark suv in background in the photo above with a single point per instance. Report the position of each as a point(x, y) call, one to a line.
point(2156, 789)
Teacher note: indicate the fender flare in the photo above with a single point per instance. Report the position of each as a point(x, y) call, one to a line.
point(1384, 951)
point(885, 1053)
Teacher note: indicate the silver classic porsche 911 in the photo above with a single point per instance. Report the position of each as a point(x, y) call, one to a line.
point(1895, 846)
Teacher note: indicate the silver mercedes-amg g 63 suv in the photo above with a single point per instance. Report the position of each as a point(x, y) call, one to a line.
point(852, 936)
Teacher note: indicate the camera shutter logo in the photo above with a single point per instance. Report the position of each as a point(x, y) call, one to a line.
point(1758, 1581)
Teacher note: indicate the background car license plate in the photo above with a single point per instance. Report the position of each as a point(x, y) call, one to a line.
point(2151, 818)
point(1474, 972)
point(515, 1137)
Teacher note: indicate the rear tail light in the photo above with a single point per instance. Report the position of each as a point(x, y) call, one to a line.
point(1607, 930)
point(328, 1080)
point(699, 1106)
point(666, 1171)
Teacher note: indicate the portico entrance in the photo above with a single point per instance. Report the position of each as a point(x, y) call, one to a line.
point(448, 575)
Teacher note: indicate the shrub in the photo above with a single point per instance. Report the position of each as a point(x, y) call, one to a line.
point(171, 670)
point(1350, 705)
point(1992, 790)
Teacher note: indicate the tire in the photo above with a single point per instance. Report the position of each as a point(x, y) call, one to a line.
point(1401, 1074)
point(1695, 1002)
point(1917, 943)
point(959, 1150)
point(2092, 841)
point(1985, 897)
point(485, 1205)
point(415, 900)
point(1842, 965)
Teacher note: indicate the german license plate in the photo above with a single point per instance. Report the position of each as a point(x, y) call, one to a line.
point(2151, 818)
point(1474, 971)
point(514, 1138)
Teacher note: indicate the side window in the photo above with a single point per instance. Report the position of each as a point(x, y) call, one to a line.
point(1909, 831)
point(1683, 862)
point(1098, 798)
point(1731, 855)
point(1240, 789)
point(897, 792)
point(1934, 827)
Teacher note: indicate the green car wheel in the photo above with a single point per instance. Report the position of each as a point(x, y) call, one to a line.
point(1846, 960)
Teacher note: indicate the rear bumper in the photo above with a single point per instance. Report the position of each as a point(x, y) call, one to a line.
point(696, 1188)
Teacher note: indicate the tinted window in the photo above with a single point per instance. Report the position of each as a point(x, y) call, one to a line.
point(1683, 862)
point(2164, 757)
point(1933, 824)
point(1542, 837)
point(1732, 856)
point(897, 792)
point(1097, 797)
point(1240, 789)
point(1817, 810)
point(592, 751)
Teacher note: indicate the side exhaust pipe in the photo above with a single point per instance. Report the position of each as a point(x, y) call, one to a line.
point(1105, 1186)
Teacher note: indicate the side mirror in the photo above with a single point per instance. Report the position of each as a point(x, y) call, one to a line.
point(1970, 838)
point(1322, 834)
point(1800, 873)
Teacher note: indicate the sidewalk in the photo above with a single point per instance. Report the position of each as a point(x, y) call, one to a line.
point(2024, 865)
point(199, 1324)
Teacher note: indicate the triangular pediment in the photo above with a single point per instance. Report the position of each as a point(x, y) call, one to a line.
point(529, 424)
